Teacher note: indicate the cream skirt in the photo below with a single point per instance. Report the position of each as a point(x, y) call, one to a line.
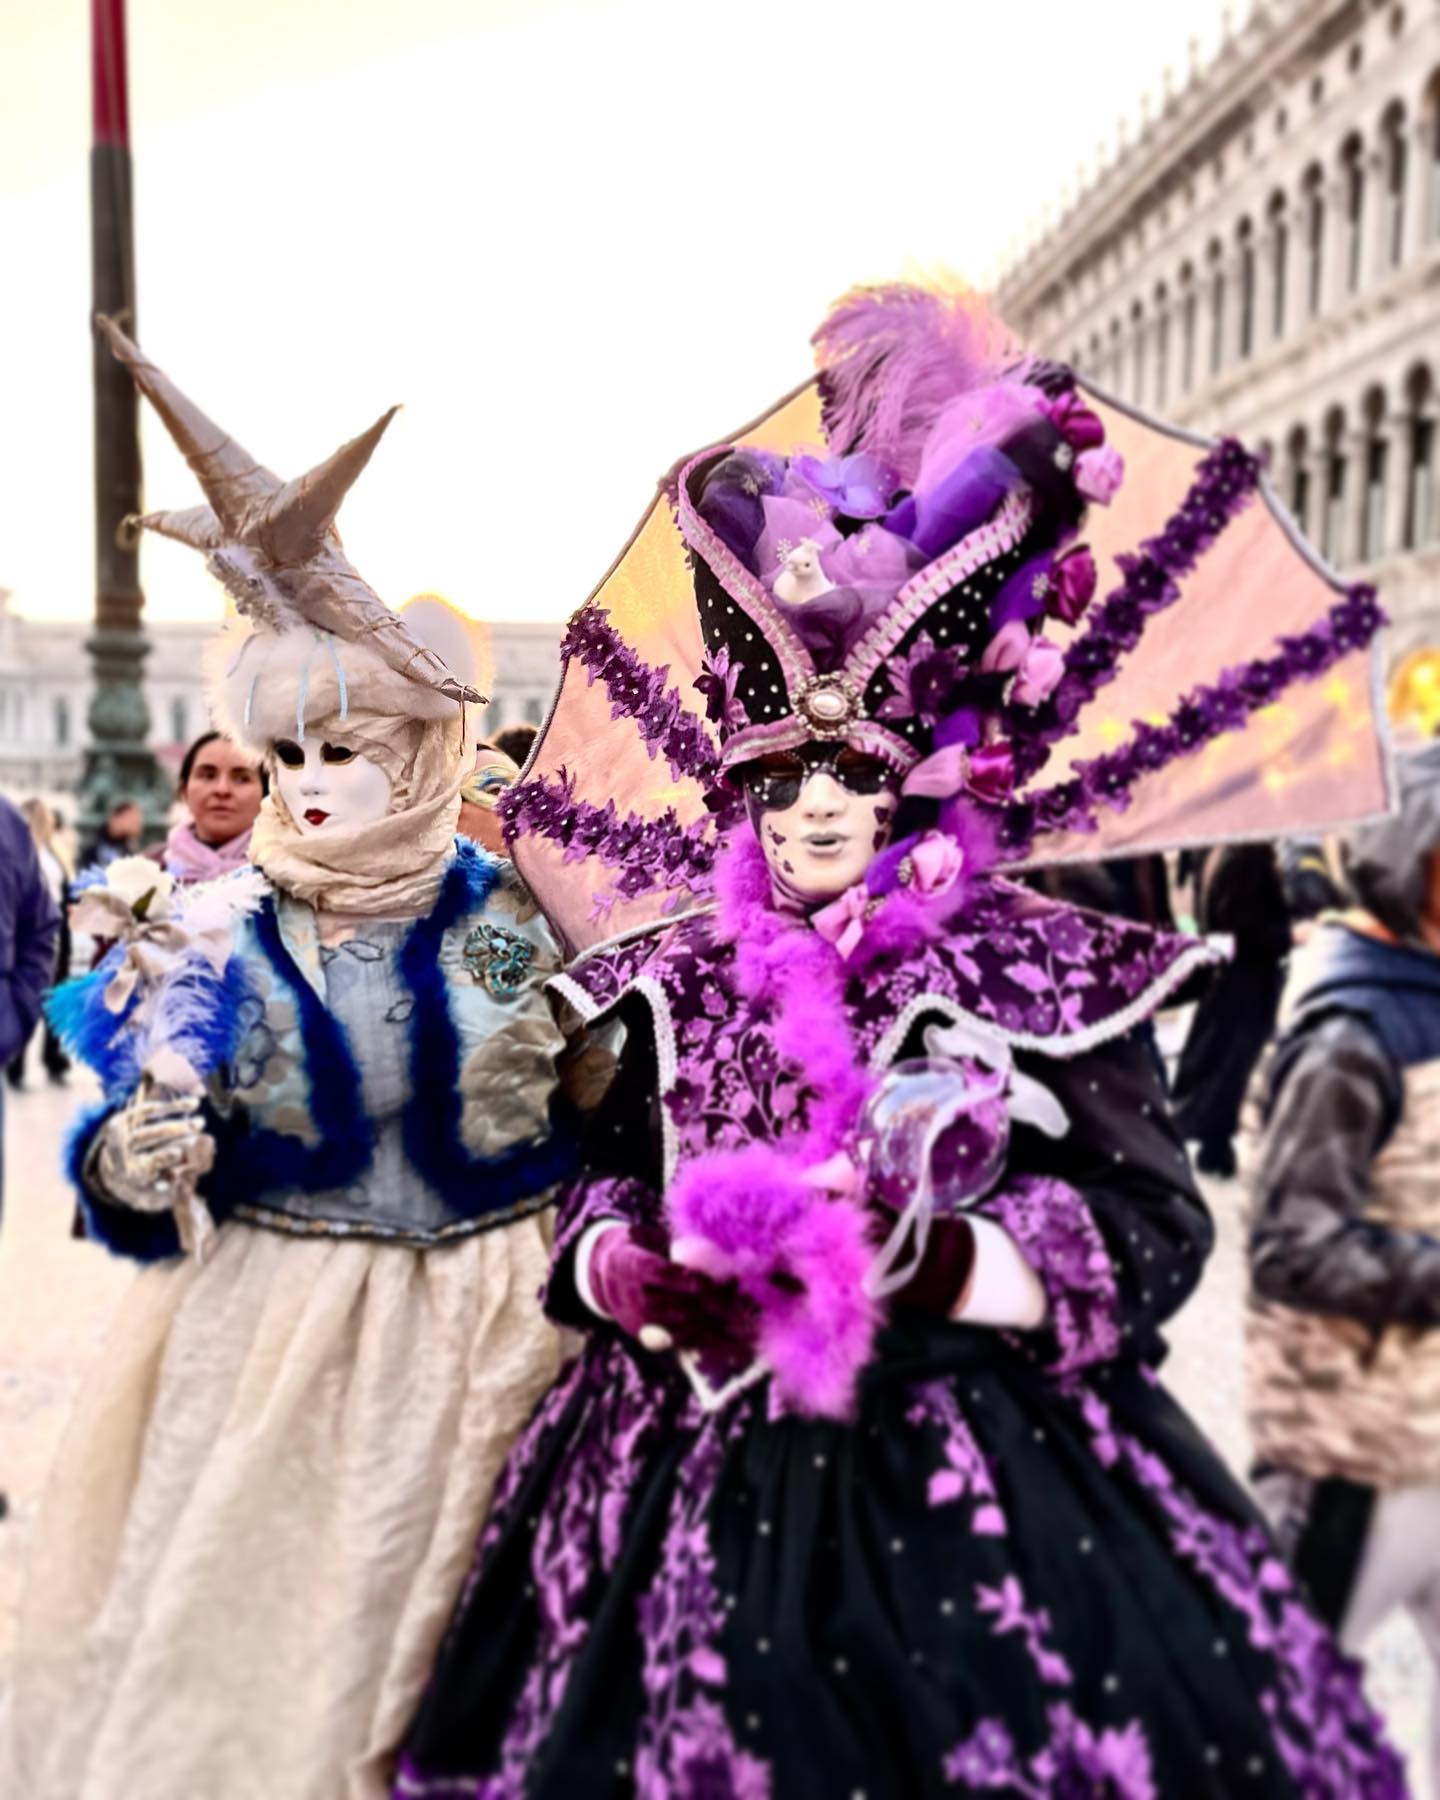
point(263, 1510)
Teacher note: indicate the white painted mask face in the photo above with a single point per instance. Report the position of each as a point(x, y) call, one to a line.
point(821, 814)
point(327, 784)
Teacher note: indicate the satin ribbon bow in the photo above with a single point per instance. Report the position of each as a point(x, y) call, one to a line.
point(842, 923)
point(987, 772)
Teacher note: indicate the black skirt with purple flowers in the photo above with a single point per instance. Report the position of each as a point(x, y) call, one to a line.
point(1019, 1569)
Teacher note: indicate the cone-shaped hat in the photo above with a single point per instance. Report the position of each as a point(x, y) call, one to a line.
point(273, 544)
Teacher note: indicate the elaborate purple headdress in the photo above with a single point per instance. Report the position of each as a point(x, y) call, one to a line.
point(919, 590)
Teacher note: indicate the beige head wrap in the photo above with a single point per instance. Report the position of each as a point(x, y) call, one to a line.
point(394, 865)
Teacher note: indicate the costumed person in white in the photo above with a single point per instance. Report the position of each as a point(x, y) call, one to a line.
point(330, 1129)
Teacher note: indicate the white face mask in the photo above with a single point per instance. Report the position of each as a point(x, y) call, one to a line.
point(326, 784)
point(824, 843)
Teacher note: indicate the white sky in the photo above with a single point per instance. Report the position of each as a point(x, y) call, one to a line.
point(575, 237)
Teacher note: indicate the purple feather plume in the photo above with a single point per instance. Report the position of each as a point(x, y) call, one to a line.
point(892, 357)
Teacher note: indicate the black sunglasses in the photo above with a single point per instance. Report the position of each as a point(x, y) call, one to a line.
point(775, 781)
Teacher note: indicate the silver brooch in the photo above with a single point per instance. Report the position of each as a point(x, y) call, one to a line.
point(829, 704)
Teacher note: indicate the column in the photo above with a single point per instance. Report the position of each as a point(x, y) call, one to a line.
point(1332, 280)
point(1357, 446)
point(1397, 480)
point(1264, 336)
point(1374, 219)
point(1417, 187)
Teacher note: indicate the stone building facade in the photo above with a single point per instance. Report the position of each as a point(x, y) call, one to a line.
point(45, 693)
point(1263, 257)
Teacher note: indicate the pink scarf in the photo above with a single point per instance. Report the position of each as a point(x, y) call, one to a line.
point(188, 859)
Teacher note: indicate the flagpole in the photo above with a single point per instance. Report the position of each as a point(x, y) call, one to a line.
point(118, 761)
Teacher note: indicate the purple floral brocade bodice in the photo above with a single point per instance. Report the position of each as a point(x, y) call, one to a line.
point(1036, 974)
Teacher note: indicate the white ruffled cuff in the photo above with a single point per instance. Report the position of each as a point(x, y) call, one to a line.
point(1004, 1289)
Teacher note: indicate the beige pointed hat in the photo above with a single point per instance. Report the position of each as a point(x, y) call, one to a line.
point(313, 638)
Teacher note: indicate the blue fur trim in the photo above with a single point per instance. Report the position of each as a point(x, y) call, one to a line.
point(252, 1161)
point(145, 1237)
point(472, 1185)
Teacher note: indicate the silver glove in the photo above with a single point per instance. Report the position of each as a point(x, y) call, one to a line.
point(152, 1152)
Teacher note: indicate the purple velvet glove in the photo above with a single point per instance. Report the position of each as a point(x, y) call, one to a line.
point(639, 1287)
point(940, 1282)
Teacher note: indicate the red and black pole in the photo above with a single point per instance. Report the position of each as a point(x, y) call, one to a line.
point(118, 763)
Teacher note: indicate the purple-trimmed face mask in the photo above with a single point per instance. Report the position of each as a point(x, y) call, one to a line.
point(821, 813)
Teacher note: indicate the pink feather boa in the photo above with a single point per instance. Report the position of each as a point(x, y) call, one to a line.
point(754, 1215)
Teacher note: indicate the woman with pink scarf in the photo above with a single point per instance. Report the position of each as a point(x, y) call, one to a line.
point(221, 787)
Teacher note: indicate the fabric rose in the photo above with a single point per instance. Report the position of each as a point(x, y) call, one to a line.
point(1075, 421)
point(992, 772)
point(857, 487)
point(133, 878)
point(1039, 673)
point(936, 864)
point(1098, 474)
point(1072, 584)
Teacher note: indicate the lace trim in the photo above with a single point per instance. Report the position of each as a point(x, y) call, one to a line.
point(795, 660)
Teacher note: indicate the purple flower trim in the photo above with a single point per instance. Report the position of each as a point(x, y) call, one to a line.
point(654, 855)
point(1202, 714)
point(686, 1749)
point(639, 692)
point(1224, 481)
point(1007, 1602)
point(1077, 1759)
point(1062, 1244)
point(577, 1538)
point(966, 1470)
point(1324, 1731)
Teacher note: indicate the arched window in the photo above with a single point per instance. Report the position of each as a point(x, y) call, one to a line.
point(1115, 362)
point(1396, 170)
point(1314, 241)
point(1432, 170)
point(1137, 354)
point(1189, 319)
point(61, 715)
point(1298, 456)
point(1419, 525)
point(1246, 296)
point(1336, 473)
point(179, 721)
point(1217, 308)
point(1377, 454)
point(1352, 189)
point(1277, 215)
point(1162, 347)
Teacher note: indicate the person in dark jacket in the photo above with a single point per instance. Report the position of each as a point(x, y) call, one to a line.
point(1308, 883)
point(29, 928)
point(1344, 1336)
point(1240, 895)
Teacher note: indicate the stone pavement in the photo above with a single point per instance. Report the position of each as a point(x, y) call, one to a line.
point(56, 1296)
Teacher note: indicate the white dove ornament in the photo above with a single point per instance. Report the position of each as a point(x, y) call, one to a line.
point(801, 576)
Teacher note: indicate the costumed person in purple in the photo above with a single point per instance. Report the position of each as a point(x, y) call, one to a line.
point(864, 1484)
point(329, 1130)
